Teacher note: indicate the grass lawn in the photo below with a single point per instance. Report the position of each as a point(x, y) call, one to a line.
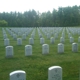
point(36, 66)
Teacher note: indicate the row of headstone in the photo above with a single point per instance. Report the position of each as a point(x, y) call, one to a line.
point(19, 41)
point(4, 34)
point(62, 38)
point(49, 33)
point(10, 51)
point(45, 49)
point(39, 33)
point(74, 30)
point(54, 73)
point(18, 32)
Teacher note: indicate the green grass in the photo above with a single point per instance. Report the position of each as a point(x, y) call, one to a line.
point(36, 66)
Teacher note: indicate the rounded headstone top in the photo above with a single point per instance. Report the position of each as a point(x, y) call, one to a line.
point(53, 67)
point(60, 44)
point(18, 71)
point(74, 43)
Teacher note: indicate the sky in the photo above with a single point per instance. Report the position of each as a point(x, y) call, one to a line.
point(37, 5)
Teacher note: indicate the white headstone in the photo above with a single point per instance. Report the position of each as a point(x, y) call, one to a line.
point(52, 40)
point(74, 47)
point(42, 41)
point(40, 35)
point(6, 42)
point(60, 48)
point(9, 51)
point(32, 36)
point(79, 39)
point(5, 36)
point(19, 33)
point(24, 36)
point(31, 41)
point(62, 40)
point(19, 41)
point(18, 75)
point(55, 73)
point(71, 39)
point(48, 36)
point(45, 49)
point(14, 36)
point(28, 50)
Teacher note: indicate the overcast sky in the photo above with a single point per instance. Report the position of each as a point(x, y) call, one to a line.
point(38, 5)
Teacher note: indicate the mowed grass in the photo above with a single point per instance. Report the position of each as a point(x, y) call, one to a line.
point(36, 66)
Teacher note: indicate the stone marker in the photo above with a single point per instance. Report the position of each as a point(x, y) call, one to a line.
point(71, 39)
point(19, 33)
point(5, 36)
point(9, 51)
point(6, 42)
point(14, 36)
point(42, 41)
point(74, 47)
point(79, 39)
point(24, 36)
point(40, 35)
point(62, 40)
point(28, 50)
point(52, 40)
point(55, 73)
point(19, 41)
point(31, 41)
point(60, 48)
point(18, 75)
point(32, 36)
point(45, 49)
point(48, 36)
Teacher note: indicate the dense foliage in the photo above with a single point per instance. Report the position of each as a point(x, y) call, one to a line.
point(64, 16)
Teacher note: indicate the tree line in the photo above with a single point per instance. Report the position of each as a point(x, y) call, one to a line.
point(64, 16)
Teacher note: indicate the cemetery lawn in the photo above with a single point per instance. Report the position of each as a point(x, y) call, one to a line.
point(36, 66)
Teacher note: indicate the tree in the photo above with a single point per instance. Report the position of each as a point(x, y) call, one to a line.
point(3, 23)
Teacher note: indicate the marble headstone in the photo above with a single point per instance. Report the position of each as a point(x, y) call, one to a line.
point(19, 41)
point(78, 39)
point(71, 39)
point(24, 36)
point(45, 49)
point(6, 42)
point(31, 41)
point(62, 40)
point(55, 73)
point(74, 47)
point(60, 48)
point(42, 41)
point(28, 50)
point(52, 40)
point(9, 51)
point(18, 75)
